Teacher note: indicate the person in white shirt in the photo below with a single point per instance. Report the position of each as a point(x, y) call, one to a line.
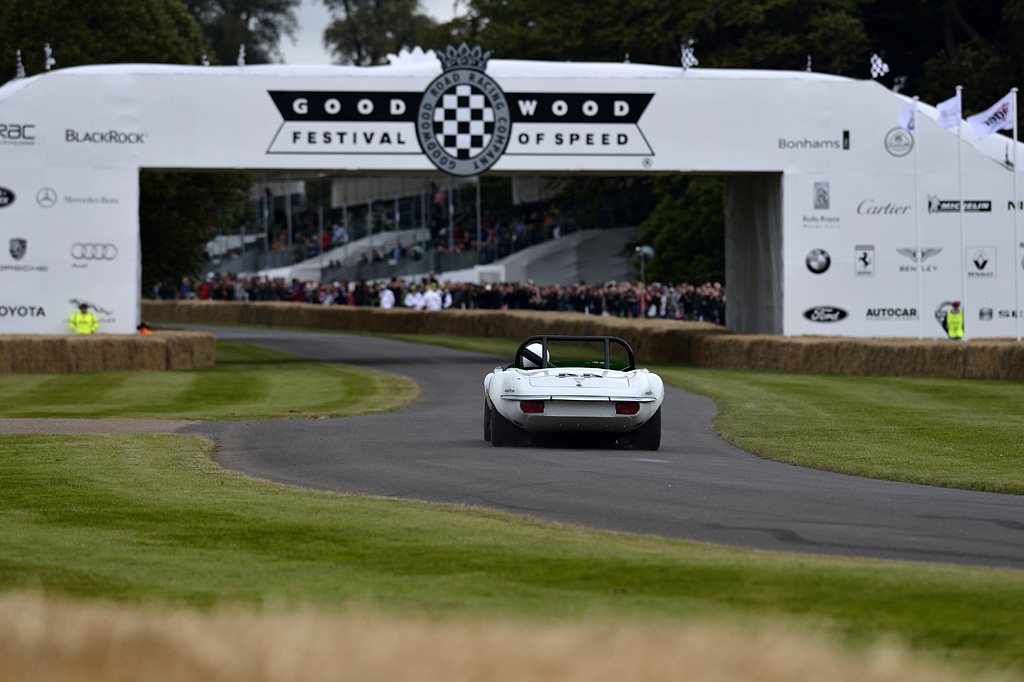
point(413, 299)
point(386, 296)
point(432, 298)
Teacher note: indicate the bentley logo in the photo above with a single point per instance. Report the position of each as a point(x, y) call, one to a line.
point(47, 197)
point(926, 253)
point(464, 121)
point(18, 248)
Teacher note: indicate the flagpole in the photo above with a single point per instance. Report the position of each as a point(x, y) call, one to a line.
point(917, 226)
point(1016, 211)
point(960, 183)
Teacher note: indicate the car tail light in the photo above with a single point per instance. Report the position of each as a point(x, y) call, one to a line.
point(532, 406)
point(627, 408)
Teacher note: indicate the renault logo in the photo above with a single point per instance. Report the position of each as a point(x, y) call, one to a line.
point(94, 251)
point(47, 197)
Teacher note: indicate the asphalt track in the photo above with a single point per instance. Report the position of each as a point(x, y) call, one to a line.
point(696, 487)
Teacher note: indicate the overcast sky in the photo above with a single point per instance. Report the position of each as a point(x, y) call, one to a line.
point(313, 19)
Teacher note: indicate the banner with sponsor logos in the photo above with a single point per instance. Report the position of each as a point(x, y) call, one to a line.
point(67, 238)
point(75, 138)
point(855, 265)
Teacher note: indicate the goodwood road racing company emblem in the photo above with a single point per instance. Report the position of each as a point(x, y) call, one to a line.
point(464, 121)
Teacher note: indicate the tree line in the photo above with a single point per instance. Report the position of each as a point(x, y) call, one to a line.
point(930, 47)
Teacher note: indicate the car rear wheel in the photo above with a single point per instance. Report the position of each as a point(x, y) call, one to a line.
point(503, 432)
point(648, 436)
point(487, 420)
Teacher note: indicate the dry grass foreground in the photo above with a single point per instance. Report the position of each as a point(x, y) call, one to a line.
point(57, 641)
point(698, 344)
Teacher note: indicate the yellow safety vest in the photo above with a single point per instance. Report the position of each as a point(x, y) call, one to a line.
point(83, 323)
point(955, 324)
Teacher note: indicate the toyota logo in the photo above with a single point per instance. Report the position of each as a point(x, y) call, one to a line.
point(47, 197)
point(94, 251)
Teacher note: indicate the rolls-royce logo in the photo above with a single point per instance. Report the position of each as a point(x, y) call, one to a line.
point(464, 121)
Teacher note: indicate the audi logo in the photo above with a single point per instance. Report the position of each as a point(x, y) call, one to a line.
point(94, 252)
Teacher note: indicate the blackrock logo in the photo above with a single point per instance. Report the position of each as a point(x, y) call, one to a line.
point(890, 314)
point(937, 205)
point(825, 313)
point(103, 137)
point(818, 261)
point(899, 142)
point(463, 122)
point(6, 197)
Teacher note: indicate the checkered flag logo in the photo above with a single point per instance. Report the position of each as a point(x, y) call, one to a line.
point(878, 67)
point(464, 122)
point(687, 58)
point(464, 119)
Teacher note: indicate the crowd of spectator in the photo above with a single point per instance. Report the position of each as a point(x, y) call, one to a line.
point(703, 303)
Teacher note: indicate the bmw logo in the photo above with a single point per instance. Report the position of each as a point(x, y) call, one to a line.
point(818, 261)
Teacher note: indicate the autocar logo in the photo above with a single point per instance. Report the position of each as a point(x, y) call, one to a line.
point(825, 313)
point(18, 248)
point(88, 251)
point(47, 197)
point(6, 197)
point(818, 261)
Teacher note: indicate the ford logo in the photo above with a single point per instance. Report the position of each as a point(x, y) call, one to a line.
point(825, 313)
point(6, 197)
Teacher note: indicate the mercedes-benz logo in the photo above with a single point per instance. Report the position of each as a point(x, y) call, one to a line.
point(47, 197)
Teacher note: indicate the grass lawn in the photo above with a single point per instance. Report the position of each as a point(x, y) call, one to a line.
point(150, 518)
point(247, 382)
point(147, 518)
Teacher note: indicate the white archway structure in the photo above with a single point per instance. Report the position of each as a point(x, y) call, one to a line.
point(825, 194)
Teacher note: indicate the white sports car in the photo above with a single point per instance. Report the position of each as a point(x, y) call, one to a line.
point(537, 394)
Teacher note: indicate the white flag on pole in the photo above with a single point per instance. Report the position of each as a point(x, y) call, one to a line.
point(997, 117)
point(949, 111)
point(908, 117)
